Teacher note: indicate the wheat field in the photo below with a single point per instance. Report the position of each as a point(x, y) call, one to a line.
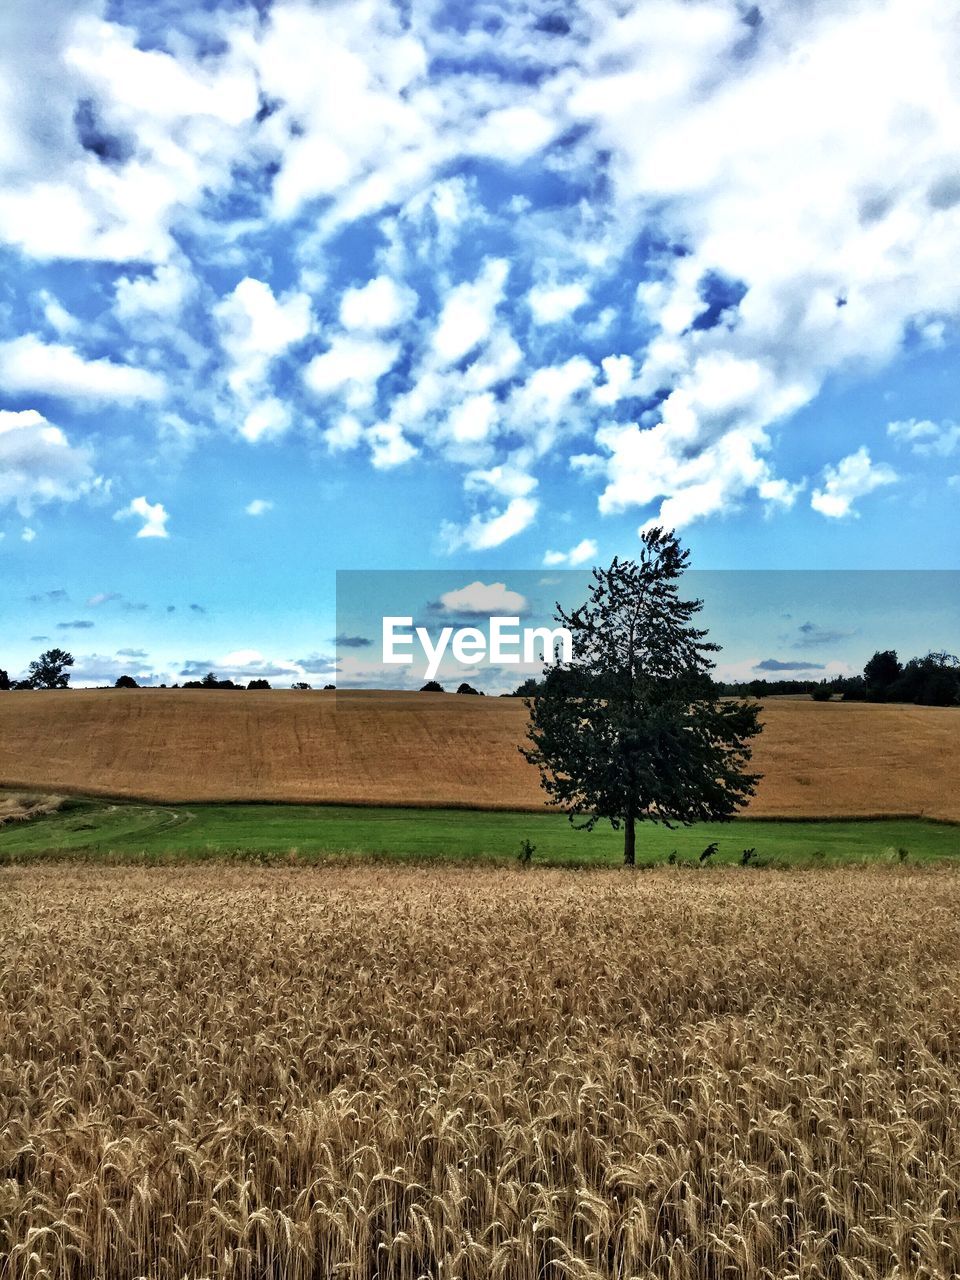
point(383, 748)
point(395, 1073)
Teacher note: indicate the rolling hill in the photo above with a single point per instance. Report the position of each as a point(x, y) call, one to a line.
point(387, 748)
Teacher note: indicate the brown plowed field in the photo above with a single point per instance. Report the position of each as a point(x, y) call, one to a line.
point(818, 759)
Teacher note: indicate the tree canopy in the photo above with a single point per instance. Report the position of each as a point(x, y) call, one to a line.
point(634, 728)
point(49, 671)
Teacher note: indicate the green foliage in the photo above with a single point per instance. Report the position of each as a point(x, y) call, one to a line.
point(125, 682)
point(432, 686)
point(49, 671)
point(259, 684)
point(210, 681)
point(4, 680)
point(880, 672)
point(634, 729)
point(527, 850)
point(821, 692)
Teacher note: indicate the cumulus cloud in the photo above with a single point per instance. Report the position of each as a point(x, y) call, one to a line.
point(28, 364)
point(482, 599)
point(580, 554)
point(853, 477)
point(379, 304)
point(926, 438)
point(255, 327)
point(162, 292)
point(258, 507)
point(731, 206)
point(267, 419)
point(388, 446)
point(353, 366)
point(466, 318)
point(486, 530)
point(39, 465)
point(552, 303)
point(107, 145)
point(153, 515)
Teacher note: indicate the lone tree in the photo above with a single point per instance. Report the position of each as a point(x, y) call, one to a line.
point(634, 729)
point(49, 671)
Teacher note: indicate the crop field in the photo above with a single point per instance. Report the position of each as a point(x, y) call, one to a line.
point(818, 759)
point(393, 1072)
point(39, 828)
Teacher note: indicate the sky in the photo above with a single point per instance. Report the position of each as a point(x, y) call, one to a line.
point(480, 290)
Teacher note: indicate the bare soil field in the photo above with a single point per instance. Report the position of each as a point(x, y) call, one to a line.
point(532, 1075)
point(382, 748)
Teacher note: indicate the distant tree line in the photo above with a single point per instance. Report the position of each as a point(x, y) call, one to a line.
point(51, 671)
point(930, 681)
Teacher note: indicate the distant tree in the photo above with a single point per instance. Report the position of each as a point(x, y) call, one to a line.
point(22, 684)
point(931, 681)
point(259, 684)
point(327, 687)
point(125, 682)
point(301, 684)
point(880, 672)
point(49, 671)
point(432, 687)
point(853, 689)
point(821, 692)
point(4, 680)
point(634, 728)
point(529, 689)
point(468, 688)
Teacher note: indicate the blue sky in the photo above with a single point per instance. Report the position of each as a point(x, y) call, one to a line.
point(294, 288)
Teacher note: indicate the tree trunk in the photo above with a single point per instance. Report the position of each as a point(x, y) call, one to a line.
point(629, 841)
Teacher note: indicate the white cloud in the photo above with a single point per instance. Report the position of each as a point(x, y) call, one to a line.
point(853, 477)
point(256, 327)
point(388, 446)
point(552, 303)
point(266, 420)
point(346, 433)
point(379, 304)
point(466, 318)
point(580, 554)
point(488, 599)
point(513, 133)
point(483, 532)
point(28, 534)
point(258, 507)
point(352, 365)
point(926, 438)
point(810, 169)
point(28, 364)
point(161, 293)
point(169, 128)
point(152, 514)
point(505, 479)
point(38, 464)
point(56, 315)
point(473, 419)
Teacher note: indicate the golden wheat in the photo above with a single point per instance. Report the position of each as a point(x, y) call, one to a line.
point(825, 759)
point(400, 1073)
